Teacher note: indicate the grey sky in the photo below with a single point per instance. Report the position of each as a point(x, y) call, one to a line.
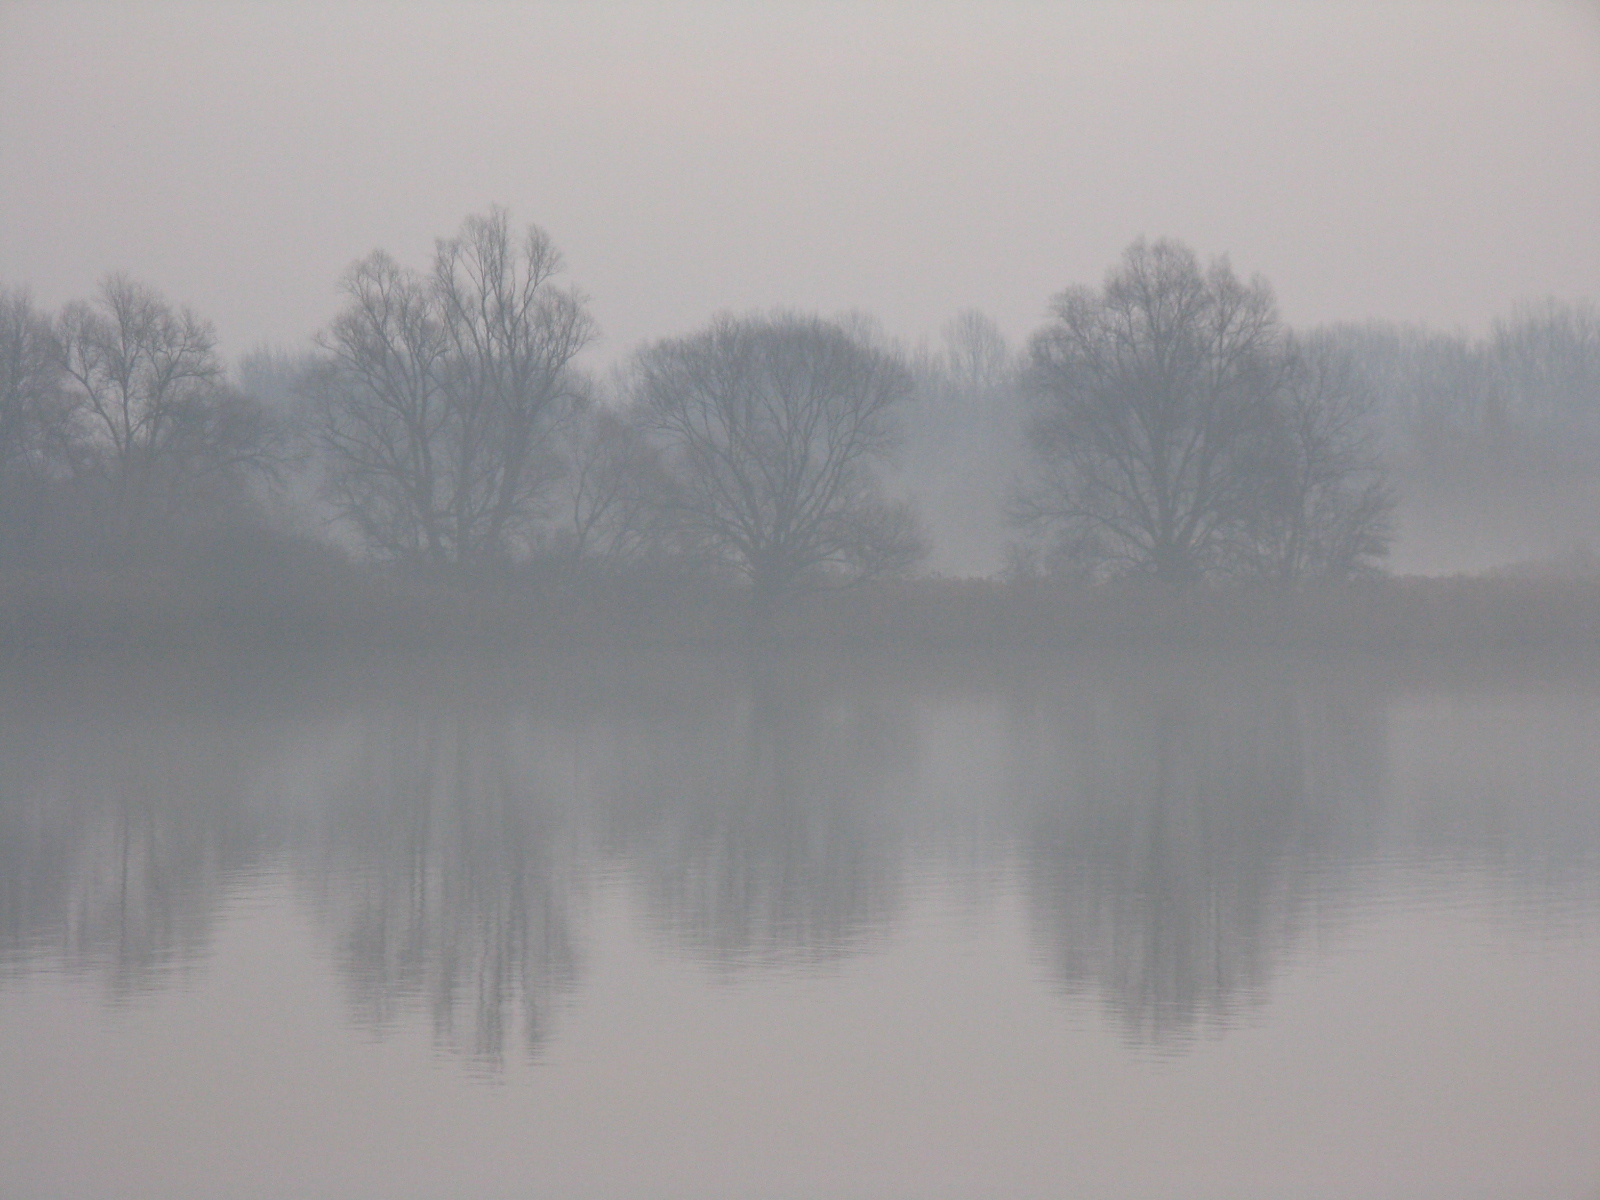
point(1419, 161)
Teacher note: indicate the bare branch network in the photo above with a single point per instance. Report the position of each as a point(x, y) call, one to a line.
point(1164, 423)
point(1179, 429)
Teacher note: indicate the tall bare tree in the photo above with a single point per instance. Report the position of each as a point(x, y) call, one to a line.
point(1320, 503)
point(38, 442)
point(615, 489)
point(976, 356)
point(774, 428)
point(1149, 390)
point(439, 393)
point(30, 381)
point(148, 388)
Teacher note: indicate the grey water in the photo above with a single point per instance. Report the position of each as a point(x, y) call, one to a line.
point(729, 928)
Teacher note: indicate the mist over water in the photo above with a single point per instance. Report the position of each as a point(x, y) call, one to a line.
point(738, 600)
point(811, 899)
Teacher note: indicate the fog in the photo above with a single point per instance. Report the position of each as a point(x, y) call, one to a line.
point(731, 903)
point(1428, 166)
point(1428, 162)
point(753, 600)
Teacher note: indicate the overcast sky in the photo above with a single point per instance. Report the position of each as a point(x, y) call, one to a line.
point(1431, 162)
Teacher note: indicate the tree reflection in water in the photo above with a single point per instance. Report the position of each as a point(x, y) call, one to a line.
point(1179, 835)
point(758, 821)
point(445, 874)
point(1182, 834)
point(118, 836)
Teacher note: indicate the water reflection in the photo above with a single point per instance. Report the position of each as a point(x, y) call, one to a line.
point(761, 825)
point(1503, 789)
point(117, 836)
point(1178, 836)
point(1182, 834)
point(441, 860)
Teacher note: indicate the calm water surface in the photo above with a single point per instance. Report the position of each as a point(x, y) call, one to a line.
point(766, 929)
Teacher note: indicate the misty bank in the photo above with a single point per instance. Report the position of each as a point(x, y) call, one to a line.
point(286, 604)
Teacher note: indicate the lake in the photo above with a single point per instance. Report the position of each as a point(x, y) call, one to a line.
point(778, 927)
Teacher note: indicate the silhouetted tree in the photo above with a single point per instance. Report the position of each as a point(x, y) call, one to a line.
point(1180, 430)
point(30, 377)
point(616, 489)
point(37, 439)
point(1150, 387)
point(165, 429)
point(1320, 500)
point(440, 392)
point(774, 428)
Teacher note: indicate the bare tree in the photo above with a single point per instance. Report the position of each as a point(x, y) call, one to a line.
point(1150, 390)
point(976, 356)
point(1545, 361)
point(773, 428)
point(439, 393)
point(615, 489)
point(381, 413)
point(39, 445)
point(1321, 502)
point(148, 389)
point(30, 382)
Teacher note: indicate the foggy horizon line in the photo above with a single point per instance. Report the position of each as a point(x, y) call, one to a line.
point(611, 353)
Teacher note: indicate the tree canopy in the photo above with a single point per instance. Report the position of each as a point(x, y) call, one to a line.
point(1180, 430)
point(773, 428)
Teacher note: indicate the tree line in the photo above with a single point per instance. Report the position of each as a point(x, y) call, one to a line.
point(1165, 422)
